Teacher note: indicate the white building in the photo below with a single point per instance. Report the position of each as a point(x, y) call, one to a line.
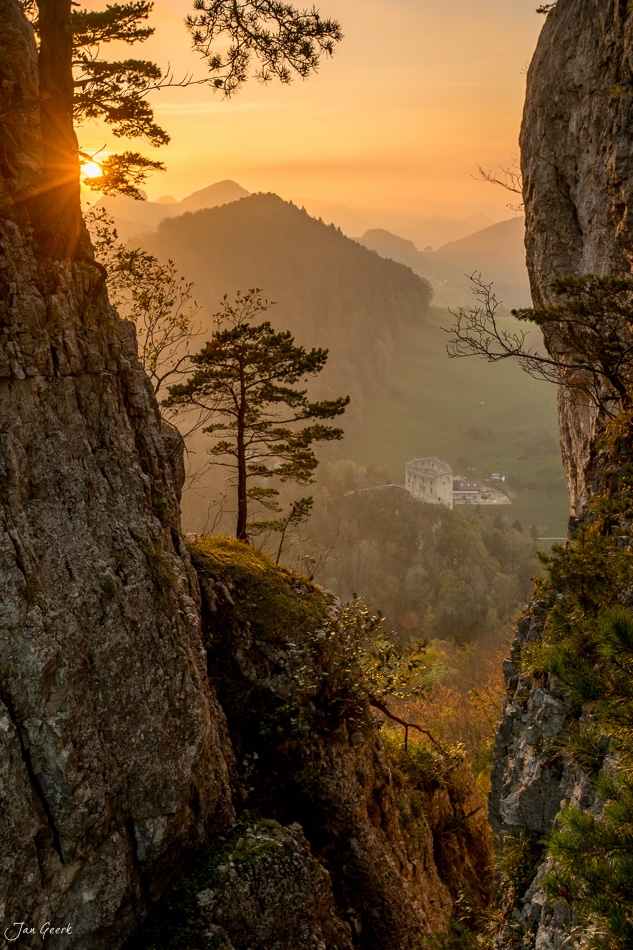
point(430, 480)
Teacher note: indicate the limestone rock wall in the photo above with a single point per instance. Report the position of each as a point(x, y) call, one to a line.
point(260, 888)
point(529, 785)
point(277, 897)
point(577, 165)
point(114, 760)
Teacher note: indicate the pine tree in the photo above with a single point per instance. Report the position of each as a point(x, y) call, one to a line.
point(247, 377)
point(76, 85)
point(110, 90)
point(115, 91)
point(284, 40)
point(593, 854)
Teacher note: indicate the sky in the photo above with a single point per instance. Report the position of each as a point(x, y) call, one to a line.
point(418, 94)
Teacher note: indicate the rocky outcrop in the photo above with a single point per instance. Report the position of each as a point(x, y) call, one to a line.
point(114, 759)
point(259, 889)
point(255, 895)
point(398, 851)
point(530, 781)
point(577, 168)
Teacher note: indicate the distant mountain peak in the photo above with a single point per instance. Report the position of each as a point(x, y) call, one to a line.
point(496, 251)
point(504, 237)
point(220, 192)
point(439, 229)
point(387, 241)
point(133, 217)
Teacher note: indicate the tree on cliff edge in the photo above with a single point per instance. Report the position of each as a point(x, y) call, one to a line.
point(264, 38)
point(246, 376)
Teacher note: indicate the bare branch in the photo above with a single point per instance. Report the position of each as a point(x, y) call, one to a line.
point(589, 336)
point(509, 177)
point(384, 709)
point(158, 300)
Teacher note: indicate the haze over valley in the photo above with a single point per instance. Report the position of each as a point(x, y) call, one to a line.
point(384, 325)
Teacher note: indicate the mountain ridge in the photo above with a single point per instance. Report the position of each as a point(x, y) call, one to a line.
point(132, 217)
point(496, 252)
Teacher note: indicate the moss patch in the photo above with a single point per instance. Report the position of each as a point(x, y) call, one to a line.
point(160, 571)
point(274, 601)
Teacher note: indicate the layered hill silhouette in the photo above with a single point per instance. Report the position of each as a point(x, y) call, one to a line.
point(387, 346)
point(330, 291)
point(133, 216)
point(505, 238)
point(497, 252)
point(439, 228)
point(434, 230)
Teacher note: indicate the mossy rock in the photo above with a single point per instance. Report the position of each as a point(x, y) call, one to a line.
point(276, 603)
point(258, 619)
point(176, 922)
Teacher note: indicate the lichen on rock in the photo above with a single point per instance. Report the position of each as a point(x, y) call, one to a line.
point(259, 888)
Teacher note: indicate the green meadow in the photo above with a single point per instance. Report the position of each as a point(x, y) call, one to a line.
point(480, 417)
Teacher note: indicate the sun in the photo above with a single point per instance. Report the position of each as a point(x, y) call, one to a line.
point(91, 170)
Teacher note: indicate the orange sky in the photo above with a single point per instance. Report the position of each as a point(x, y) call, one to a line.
point(394, 125)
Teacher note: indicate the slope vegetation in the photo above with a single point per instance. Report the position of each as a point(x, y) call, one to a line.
point(331, 291)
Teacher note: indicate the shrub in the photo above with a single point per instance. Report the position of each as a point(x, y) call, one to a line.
point(588, 646)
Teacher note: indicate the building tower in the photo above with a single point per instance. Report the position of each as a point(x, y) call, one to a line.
point(430, 480)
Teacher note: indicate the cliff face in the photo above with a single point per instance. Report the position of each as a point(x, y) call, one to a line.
point(530, 783)
point(578, 174)
point(578, 185)
point(114, 760)
point(397, 852)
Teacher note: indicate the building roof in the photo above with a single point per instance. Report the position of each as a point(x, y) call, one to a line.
point(460, 485)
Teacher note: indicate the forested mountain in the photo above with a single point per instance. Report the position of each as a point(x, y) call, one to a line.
point(330, 291)
point(387, 349)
